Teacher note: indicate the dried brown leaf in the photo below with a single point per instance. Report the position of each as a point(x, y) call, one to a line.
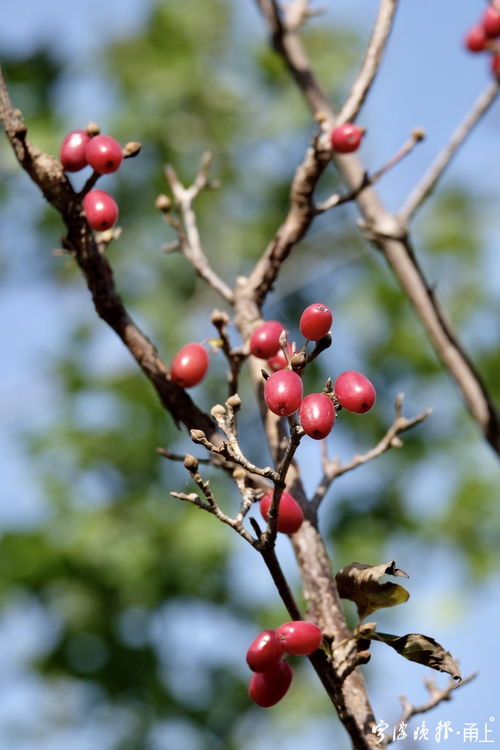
point(360, 583)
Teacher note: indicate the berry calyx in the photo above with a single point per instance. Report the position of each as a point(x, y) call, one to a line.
point(317, 415)
point(495, 66)
point(104, 154)
point(264, 651)
point(279, 361)
point(476, 39)
point(299, 637)
point(100, 209)
point(315, 321)
point(346, 138)
point(189, 366)
point(268, 688)
point(491, 22)
point(354, 392)
point(73, 150)
point(283, 392)
point(265, 340)
point(290, 515)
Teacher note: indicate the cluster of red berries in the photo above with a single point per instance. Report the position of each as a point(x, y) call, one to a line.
point(283, 390)
point(82, 148)
point(484, 36)
point(346, 138)
point(265, 656)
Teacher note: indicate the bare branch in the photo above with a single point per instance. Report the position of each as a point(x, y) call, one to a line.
point(435, 171)
point(333, 469)
point(189, 238)
point(371, 63)
point(235, 357)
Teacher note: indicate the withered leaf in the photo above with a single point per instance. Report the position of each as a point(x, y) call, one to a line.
point(360, 584)
point(420, 648)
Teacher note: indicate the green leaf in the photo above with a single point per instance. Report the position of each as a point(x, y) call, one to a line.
point(419, 648)
point(361, 584)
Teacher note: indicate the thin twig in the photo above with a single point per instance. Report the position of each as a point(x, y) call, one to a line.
point(235, 357)
point(371, 63)
point(435, 171)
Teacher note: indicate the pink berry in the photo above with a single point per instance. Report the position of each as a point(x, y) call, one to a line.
point(317, 415)
point(283, 392)
point(290, 515)
point(73, 150)
point(346, 138)
point(265, 340)
point(495, 66)
point(263, 652)
point(278, 362)
point(315, 321)
point(354, 392)
point(476, 39)
point(299, 637)
point(189, 366)
point(268, 688)
point(100, 209)
point(104, 154)
point(491, 22)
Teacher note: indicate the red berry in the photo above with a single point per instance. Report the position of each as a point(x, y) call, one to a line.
point(73, 150)
point(299, 637)
point(283, 392)
point(263, 651)
point(317, 415)
point(104, 154)
point(100, 209)
point(290, 515)
point(189, 366)
point(278, 362)
point(491, 22)
point(265, 340)
point(495, 66)
point(268, 688)
point(354, 392)
point(315, 321)
point(476, 39)
point(346, 138)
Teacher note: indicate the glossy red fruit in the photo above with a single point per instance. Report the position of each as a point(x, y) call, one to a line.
point(279, 361)
point(476, 39)
point(299, 637)
point(264, 651)
point(268, 688)
point(104, 154)
point(290, 515)
point(189, 366)
point(317, 415)
point(346, 138)
point(265, 340)
point(73, 150)
point(100, 209)
point(283, 392)
point(491, 22)
point(315, 321)
point(495, 66)
point(355, 392)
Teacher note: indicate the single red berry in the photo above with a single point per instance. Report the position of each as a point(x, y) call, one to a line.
point(268, 688)
point(263, 651)
point(346, 138)
point(100, 209)
point(189, 366)
point(73, 150)
point(495, 66)
point(104, 154)
point(476, 39)
point(491, 22)
point(278, 362)
point(354, 392)
point(315, 321)
point(290, 515)
point(317, 415)
point(283, 392)
point(265, 340)
point(299, 637)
